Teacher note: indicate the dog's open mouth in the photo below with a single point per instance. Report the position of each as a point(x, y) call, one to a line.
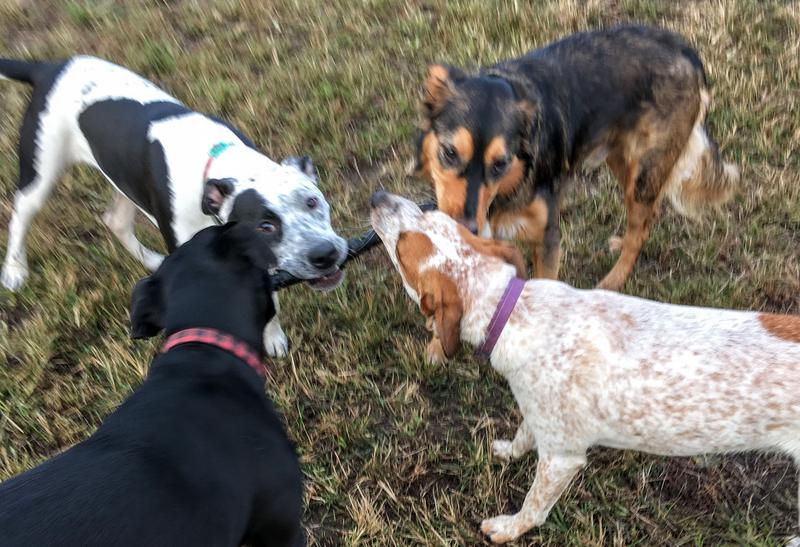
point(327, 282)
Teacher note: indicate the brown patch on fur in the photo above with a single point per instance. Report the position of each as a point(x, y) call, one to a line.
point(496, 248)
point(438, 298)
point(512, 178)
point(451, 190)
point(785, 327)
point(412, 248)
point(462, 141)
point(437, 89)
point(496, 151)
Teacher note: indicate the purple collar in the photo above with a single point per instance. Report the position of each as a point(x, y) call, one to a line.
point(500, 317)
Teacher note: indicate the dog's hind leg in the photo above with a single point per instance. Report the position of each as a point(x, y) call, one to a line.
point(120, 218)
point(275, 342)
point(42, 160)
point(554, 472)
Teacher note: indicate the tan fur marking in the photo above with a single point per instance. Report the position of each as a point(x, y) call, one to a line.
point(462, 141)
point(786, 327)
point(451, 190)
point(496, 151)
point(512, 178)
point(412, 249)
point(437, 88)
point(496, 248)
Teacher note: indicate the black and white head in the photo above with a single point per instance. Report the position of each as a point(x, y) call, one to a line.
point(283, 200)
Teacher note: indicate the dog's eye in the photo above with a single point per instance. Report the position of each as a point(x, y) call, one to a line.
point(267, 227)
point(449, 155)
point(499, 167)
point(312, 202)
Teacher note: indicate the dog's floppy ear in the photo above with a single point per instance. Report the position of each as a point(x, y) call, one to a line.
point(147, 308)
point(439, 301)
point(303, 164)
point(214, 193)
point(239, 240)
point(438, 88)
point(503, 250)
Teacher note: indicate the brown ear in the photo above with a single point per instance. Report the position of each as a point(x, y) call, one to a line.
point(503, 250)
point(437, 90)
point(438, 298)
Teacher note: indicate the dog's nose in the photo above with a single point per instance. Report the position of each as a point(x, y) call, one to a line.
point(323, 255)
point(378, 198)
point(470, 224)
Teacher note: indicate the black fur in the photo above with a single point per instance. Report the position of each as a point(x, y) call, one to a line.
point(197, 455)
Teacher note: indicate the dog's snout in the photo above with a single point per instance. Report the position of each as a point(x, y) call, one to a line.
point(323, 256)
point(378, 198)
point(470, 224)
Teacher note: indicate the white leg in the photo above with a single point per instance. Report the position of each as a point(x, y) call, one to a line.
point(553, 474)
point(27, 202)
point(120, 218)
point(275, 342)
point(524, 441)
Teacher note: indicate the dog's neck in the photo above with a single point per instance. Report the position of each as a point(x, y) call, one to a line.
point(481, 293)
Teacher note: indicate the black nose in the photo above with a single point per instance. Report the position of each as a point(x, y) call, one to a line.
point(470, 224)
point(378, 198)
point(323, 255)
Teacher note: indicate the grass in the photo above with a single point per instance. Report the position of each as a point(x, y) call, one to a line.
point(395, 451)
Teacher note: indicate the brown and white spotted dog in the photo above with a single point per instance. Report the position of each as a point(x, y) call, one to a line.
point(499, 145)
point(594, 367)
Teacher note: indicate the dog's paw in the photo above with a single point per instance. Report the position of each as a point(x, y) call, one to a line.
point(793, 542)
point(615, 244)
point(502, 450)
point(152, 260)
point(14, 275)
point(502, 529)
point(275, 342)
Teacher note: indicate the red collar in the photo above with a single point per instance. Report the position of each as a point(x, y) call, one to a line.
point(500, 317)
point(213, 337)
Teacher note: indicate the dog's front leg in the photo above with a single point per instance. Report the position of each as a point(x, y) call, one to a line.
point(524, 441)
point(553, 474)
point(275, 342)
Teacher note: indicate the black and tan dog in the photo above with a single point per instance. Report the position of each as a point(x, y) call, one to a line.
point(500, 145)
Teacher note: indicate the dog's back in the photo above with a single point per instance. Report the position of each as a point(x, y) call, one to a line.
point(193, 454)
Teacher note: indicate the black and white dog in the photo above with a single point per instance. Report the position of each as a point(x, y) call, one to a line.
point(196, 455)
point(184, 170)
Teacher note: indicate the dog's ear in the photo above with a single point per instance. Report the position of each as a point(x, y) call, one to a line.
point(438, 88)
point(214, 193)
point(147, 308)
point(303, 164)
point(239, 240)
point(503, 250)
point(439, 302)
point(529, 111)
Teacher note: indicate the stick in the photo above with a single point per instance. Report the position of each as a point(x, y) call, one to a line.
point(355, 246)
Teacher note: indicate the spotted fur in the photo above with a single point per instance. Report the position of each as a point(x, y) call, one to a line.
point(154, 151)
point(593, 367)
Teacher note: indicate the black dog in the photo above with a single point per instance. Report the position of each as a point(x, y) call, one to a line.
point(197, 455)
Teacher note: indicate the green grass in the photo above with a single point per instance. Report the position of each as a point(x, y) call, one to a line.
point(395, 451)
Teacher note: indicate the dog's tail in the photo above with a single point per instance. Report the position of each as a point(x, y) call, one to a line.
point(700, 177)
point(21, 71)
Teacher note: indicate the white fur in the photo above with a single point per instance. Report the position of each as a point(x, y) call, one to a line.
point(186, 141)
point(593, 367)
